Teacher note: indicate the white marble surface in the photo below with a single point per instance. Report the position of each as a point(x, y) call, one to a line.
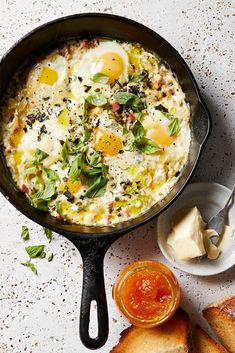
point(40, 314)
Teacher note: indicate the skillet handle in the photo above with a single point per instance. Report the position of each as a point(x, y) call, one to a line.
point(93, 252)
point(202, 125)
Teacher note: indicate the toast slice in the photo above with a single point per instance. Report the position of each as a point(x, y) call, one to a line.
point(203, 343)
point(221, 317)
point(170, 337)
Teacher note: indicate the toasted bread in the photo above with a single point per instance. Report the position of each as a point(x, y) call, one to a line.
point(221, 317)
point(170, 337)
point(203, 343)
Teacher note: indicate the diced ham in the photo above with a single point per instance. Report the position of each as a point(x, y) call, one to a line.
point(115, 106)
point(25, 189)
point(130, 119)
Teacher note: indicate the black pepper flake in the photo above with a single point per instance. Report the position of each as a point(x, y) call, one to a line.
point(69, 196)
point(161, 108)
point(87, 88)
point(80, 78)
point(65, 179)
point(46, 98)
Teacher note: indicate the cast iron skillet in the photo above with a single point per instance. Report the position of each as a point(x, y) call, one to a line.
point(91, 241)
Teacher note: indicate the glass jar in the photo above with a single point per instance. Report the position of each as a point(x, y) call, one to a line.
point(147, 293)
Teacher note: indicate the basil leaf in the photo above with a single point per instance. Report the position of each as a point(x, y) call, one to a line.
point(138, 78)
point(87, 134)
point(47, 193)
point(76, 167)
point(25, 233)
point(35, 251)
point(97, 100)
point(146, 146)
point(50, 257)
point(97, 189)
point(85, 110)
point(65, 155)
point(48, 233)
point(138, 130)
point(124, 97)
point(51, 174)
point(31, 266)
point(39, 156)
point(92, 171)
point(167, 115)
point(174, 127)
point(99, 77)
point(58, 208)
point(94, 160)
point(124, 130)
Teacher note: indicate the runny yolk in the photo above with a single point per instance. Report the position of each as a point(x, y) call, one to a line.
point(160, 135)
point(107, 142)
point(147, 294)
point(112, 66)
point(48, 76)
point(72, 187)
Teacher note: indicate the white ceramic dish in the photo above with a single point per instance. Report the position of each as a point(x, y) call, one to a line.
point(209, 198)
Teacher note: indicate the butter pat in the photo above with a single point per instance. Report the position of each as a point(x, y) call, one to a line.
point(187, 235)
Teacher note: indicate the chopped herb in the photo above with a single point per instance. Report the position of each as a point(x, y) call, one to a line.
point(48, 233)
point(94, 160)
point(39, 156)
point(87, 133)
point(124, 130)
point(50, 257)
point(31, 266)
point(174, 127)
point(58, 208)
point(167, 115)
point(97, 189)
point(24, 233)
point(65, 155)
point(142, 143)
point(138, 78)
point(99, 77)
point(76, 167)
point(51, 174)
point(124, 97)
point(97, 100)
point(40, 198)
point(35, 251)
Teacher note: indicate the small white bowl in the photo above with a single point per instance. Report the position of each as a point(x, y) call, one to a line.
point(209, 198)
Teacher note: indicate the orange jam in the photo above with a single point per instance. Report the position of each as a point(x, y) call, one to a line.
point(147, 293)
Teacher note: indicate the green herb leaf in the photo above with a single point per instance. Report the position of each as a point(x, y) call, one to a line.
point(97, 189)
point(167, 115)
point(76, 167)
point(85, 110)
point(39, 156)
point(58, 208)
point(31, 266)
point(174, 127)
point(50, 257)
point(124, 97)
point(35, 251)
point(124, 130)
point(97, 100)
point(48, 233)
point(87, 133)
point(138, 130)
point(138, 78)
point(94, 160)
point(99, 77)
point(40, 198)
point(146, 146)
point(25, 233)
point(65, 155)
point(51, 174)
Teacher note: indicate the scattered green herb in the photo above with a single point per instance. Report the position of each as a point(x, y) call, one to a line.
point(99, 77)
point(124, 97)
point(174, 127)
point(98, 188)
point(97, 100)
point(35, 251)
point(87, 133)
point(138, 78)
point(31, 266)
point(51, 174)
point(58, 208)
point(76, 167)
point(50, 257)
point(25, 233)
point(124, 130)
point(142, 143)
point(39, 156)
point(167, 115)
point(65, 155)
point(40, 198)
point(48, 233)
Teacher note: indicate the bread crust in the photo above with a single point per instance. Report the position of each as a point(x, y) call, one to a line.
point(203, 343)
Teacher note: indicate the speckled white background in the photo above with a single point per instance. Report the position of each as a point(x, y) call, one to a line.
point(40, 314)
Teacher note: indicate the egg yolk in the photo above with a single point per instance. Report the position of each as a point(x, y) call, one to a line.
point(107, 142)
point(112, 66)
point(63, 118)
point(48, 76)
point(72, 187)
point(159, 135)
